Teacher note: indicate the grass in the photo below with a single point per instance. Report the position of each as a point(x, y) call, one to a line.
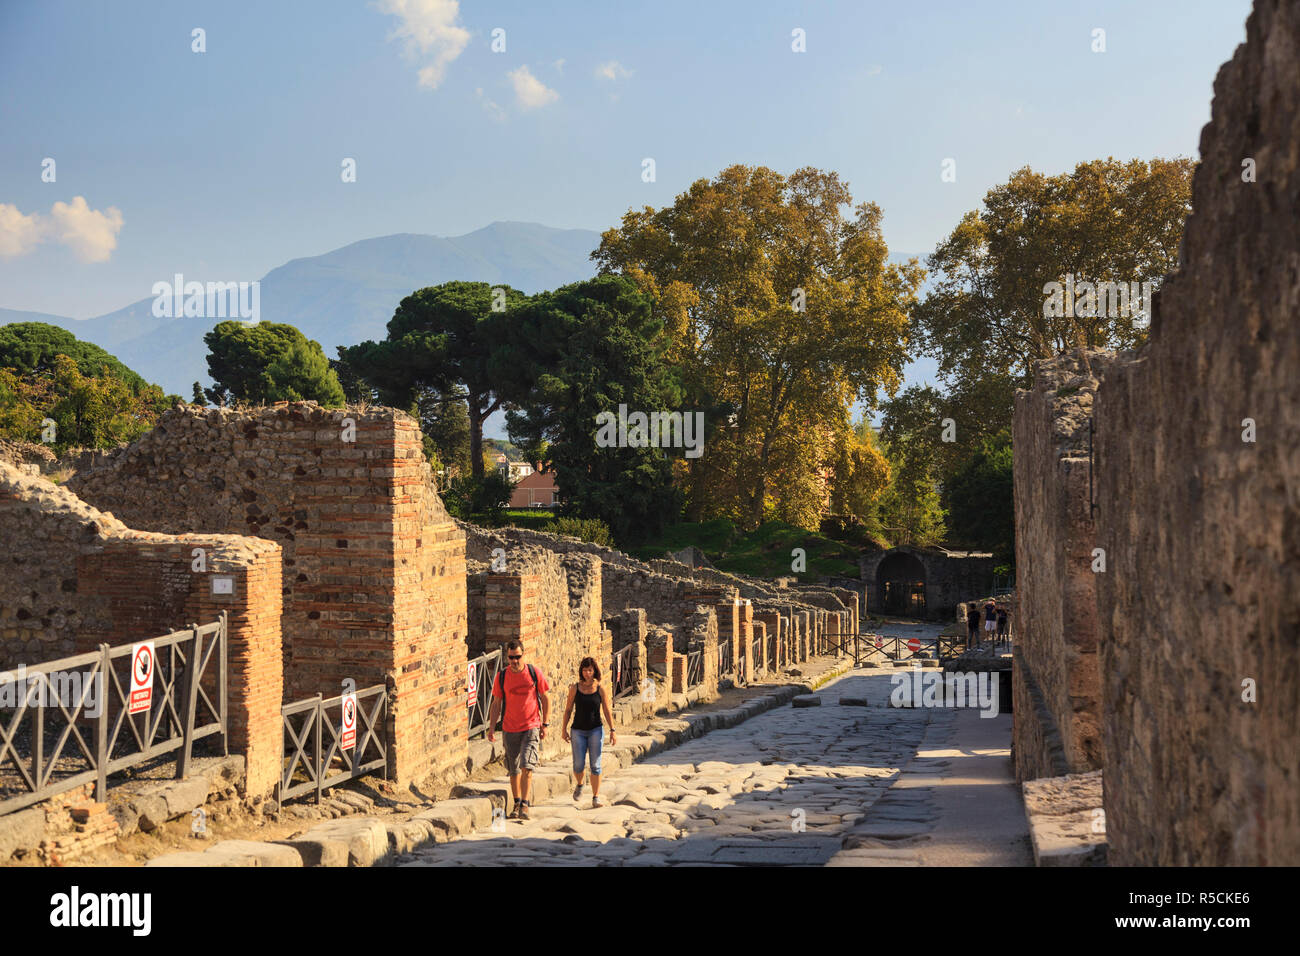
point(763, 552)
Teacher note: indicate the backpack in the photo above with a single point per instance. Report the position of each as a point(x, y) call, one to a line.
point(501, 682)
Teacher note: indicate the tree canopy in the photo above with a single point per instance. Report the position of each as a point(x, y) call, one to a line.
point(268, 362)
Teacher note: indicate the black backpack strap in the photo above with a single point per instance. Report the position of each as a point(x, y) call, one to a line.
point(537, 688)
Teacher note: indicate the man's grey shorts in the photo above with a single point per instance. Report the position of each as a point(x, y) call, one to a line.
point(523, 750)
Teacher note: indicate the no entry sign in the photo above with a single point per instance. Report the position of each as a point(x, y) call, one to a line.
point(143, 663)
point(348, 739)
point(913, 645)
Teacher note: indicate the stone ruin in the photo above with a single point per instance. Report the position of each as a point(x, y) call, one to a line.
point(346, 565)
point(1175, 672)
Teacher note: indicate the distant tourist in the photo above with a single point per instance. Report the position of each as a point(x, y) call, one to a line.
point(587, 699)
point(972, 623)
point(990, 618)
point(1002, 624)
point(522, 691)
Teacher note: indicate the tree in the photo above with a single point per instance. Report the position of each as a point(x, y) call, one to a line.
point(92, 398)
point(445, 424)
point(990, 314)
point(981, 496)
point(443, 338)
point(198, 397)
point(594, 346)
point(780, 308)
point(268, 362)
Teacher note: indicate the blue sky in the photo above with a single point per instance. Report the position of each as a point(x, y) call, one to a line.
point(227, 163)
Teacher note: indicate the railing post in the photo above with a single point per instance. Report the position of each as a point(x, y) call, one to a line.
point(320, 716)
point(223, 657)
point(101, 728)
point(38, 739)
point(191, 693)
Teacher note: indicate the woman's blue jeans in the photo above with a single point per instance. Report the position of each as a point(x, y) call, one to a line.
point(587, 742)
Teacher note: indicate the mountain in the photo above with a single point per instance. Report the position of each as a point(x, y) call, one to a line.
point(342, 297)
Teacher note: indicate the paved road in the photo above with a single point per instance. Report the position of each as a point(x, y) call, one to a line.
point(793, 786)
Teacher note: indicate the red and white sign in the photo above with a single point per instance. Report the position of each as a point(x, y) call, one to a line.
point(879, 641)
point(143, 664)
point(913, 645)
point(473, 683)
point(348, 739)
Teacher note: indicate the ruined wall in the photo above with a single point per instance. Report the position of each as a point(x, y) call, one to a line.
point(1056, 677)
point(1201, 528)
point(74, 578)
point(373, 570)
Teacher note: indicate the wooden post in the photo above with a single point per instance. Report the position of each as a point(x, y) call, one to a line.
point(191, 694)
point(101, 728)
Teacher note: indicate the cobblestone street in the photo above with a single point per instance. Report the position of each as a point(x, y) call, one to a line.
point(850, 782)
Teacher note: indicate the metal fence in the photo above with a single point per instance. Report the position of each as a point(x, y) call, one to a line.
point(624, 671)
point(481, 676)
point(695, 667)
point(726, 658)
point(72, 722)
point(311, 761)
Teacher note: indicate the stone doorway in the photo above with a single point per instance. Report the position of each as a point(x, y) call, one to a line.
point(900, 582)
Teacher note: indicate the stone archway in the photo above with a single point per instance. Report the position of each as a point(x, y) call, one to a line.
point(900, 584)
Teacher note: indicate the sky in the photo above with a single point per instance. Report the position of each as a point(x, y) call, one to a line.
point(228, 162)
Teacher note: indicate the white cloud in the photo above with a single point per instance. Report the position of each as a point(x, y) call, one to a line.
point(430, 29)
point(529, 90)
point(19, 234)
point(492, 108)
point(613, 70)
point(89, 233)
point(875, 69)
point(559, 65)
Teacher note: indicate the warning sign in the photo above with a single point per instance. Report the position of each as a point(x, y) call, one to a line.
point(473, 684)
point(142, 668)
point(348, 739)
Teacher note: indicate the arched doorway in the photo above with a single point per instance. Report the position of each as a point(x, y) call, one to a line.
point(900, 582)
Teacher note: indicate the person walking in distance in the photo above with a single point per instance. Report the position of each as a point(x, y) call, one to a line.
point(520, 693)
point(990, 619)
point(587, 699)
point(1002, 624)
point(972, 624)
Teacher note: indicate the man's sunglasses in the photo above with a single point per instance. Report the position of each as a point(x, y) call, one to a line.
point(515, 657)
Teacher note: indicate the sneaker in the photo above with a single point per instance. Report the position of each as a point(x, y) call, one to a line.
point(577, 793)
point(523, 810)
point(514, 812)
point(597, 802)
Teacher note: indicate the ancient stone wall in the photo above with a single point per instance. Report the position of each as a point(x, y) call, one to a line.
point(373, 570)
point(1057, 683)
point(1202, 528)
point(74, 578)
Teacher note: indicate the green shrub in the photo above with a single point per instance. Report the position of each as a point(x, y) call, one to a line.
point(588, 529)
point(469, 496)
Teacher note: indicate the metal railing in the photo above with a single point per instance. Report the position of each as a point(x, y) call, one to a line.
point(726, 658)
point(73, 723)
point(695, 667)
point(625, 671)
point(481, 676)
point(307, 758)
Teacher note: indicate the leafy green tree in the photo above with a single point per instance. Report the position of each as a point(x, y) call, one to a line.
point(198, 397)
point(445, 424)
point(779, 305)
point(988, 317)
point(443, 338)
point(33, 347)
point(590, 347)
point(268, 362)
point(981, 495)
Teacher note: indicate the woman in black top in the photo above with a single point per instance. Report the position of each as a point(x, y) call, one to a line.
point(587, 699)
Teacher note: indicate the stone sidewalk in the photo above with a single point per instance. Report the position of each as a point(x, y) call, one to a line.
point(369, 841)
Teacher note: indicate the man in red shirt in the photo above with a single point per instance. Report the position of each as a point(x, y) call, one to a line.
point(521, 690)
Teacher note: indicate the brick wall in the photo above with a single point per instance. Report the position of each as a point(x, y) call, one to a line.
point(373, 569)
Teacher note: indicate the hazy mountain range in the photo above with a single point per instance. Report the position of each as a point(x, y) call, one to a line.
point(339, 298)
point(342, 297)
